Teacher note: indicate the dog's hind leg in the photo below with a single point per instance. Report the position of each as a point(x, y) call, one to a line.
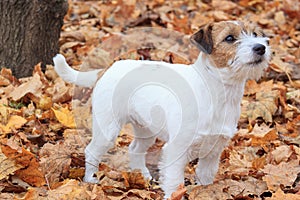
point(102, 141)
point(138, 149)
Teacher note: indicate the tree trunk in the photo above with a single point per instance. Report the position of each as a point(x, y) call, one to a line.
point(29, 33)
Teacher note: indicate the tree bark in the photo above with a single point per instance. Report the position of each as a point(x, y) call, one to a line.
point(29, 33)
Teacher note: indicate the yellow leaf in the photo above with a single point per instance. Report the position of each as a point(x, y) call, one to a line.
point(64, 116)
point(14, 122)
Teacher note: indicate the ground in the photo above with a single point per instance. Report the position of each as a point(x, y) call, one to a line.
point(45, 123)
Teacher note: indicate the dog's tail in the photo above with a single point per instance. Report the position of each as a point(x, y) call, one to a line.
point(68, 74)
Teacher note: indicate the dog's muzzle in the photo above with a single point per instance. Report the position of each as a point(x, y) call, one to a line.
point(259, 49)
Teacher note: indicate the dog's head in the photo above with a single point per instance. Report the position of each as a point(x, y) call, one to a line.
point(238, 48)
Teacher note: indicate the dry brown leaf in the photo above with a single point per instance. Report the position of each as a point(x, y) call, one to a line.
point(29, 171)
point(70, 189)
point(96, 59)
point(33, 86)
point(283, 174)
point(82, 114)
point(60, 92)
point(280, 195)
point(7, 74)
point(265, 106)
point(262, 135)
point(143, 194)
point(226, 189)
point(178, 194)
point(8, 166)
point(282, 153)
point(4, 81)
point(223, 5)
point(259, 163)
point(252, 87)
point(241, 160)
point(134, 179)
point(279, 66)
point(55, 161)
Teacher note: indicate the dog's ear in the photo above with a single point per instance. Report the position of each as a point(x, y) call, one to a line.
point(203, 39)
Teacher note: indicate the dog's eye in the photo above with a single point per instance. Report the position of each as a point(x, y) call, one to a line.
point(230, 38)
point(254, 34)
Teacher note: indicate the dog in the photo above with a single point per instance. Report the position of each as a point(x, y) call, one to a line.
point(194, 108)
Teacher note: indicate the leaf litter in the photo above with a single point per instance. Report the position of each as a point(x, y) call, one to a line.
point(45, 123)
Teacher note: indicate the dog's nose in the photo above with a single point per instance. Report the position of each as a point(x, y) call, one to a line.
point(259, 49)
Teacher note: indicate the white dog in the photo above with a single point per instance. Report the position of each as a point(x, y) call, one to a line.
point(194, 108)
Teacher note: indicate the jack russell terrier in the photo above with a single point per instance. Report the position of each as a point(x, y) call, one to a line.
point(194, 108)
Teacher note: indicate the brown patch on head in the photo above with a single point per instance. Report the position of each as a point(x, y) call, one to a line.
point(225, 35)
point(218, 40)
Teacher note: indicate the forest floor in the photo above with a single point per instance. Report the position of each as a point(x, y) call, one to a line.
point(45, 123)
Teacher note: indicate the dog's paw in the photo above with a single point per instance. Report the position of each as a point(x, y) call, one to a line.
point(204, 179)
point(147, 175)
point(90, 180)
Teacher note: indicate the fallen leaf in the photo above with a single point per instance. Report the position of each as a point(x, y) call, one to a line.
point(64, 116)
point(282, 153)
point(262, 135)
point(227, 188)
point(8, 166)
point(33, 86)
point(280, 195)
point(29, 172)
point(70, 189)
point(55, 161)
point(265, 106)
point(14, 122)
point(259, 163)
point(283, 174)
point(178, 194)
point(134, 179)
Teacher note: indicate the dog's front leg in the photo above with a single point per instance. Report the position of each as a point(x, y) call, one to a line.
point(172, 169)
point(207, 169)
point(209, 164)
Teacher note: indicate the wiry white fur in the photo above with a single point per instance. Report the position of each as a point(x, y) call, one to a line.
point(195, 110)
point(84, 79)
